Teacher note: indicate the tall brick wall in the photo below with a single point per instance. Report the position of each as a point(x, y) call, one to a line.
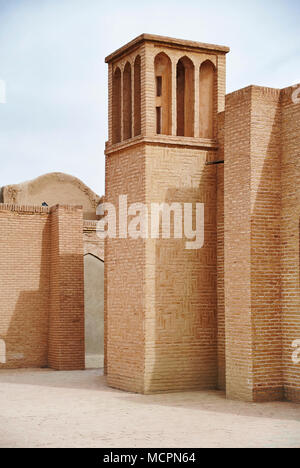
point(237, 240)
point(220, 254)
point(125, 278)
point(252, 244)
point(66, 317)
point(181, 303)
point(265, 242)
point(24, 279)
point(290, 253)
point(41, 277)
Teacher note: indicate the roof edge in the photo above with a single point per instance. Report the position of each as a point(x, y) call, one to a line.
point(165, 40)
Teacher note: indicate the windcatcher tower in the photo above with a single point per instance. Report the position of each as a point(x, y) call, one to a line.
point(161, 299)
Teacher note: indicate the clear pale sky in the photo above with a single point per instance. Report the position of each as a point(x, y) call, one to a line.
point(52, 61)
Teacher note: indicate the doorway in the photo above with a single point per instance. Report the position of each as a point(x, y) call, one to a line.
point(94, 311)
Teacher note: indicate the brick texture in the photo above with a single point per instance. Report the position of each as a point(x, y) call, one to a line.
point(41, 298)
point(66, 314)
point(290, 253)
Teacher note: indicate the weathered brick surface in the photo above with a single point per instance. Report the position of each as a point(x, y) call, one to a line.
point(220, 255)
point(290, 253)
point(24, 279)
point(41, 276)
point(261, 243)
point(125, 261)
point(181, 307)
point(66, 315)
point(237, 235)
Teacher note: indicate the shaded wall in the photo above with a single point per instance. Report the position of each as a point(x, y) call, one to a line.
point(94, 306)
point(41, 296)
point(290, 253)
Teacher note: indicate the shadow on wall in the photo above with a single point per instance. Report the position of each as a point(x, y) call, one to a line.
point(185, 300)
point(25, 314)
point(35, 323)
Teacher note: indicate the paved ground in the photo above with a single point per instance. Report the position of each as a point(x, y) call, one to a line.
point(43, 408)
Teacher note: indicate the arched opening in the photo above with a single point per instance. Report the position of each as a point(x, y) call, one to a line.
point(207, 83)
point(94, 311)
point(137, 96)
point(185, 94)
point(127, 103)
point(163, 83)
point(116, 106)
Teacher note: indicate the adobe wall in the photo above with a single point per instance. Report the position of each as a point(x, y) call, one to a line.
point(41, 276)
point(290, 253)
point(53, 188)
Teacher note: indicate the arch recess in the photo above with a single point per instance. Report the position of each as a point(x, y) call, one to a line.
point(127, 102)
point(116, 106)
point(207, 98)
point(163, 85)
point(137, 96)
point(185, 95)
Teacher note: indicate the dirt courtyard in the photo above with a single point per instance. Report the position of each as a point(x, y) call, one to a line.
point(44, 408)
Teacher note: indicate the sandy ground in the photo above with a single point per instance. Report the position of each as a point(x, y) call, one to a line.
point(44, 408)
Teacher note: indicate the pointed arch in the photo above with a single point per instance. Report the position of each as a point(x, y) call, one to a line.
point(116, 106)
point(207, 98)
point(163, 83)
point(127, 102)
point(185, 96)
point(137, 96)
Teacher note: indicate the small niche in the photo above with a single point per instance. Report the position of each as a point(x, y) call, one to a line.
point(185, 94)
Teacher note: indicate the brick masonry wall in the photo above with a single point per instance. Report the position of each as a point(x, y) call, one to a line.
point(265, 243)
point(66, 316)
point(24, 279)
point(290, 253)
point(237, 240)
point(125, 278)
point(41, 297)
point(252, 244)
point(181, 302)
point(220, 254)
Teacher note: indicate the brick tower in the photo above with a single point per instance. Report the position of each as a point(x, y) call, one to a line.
point(161, 299)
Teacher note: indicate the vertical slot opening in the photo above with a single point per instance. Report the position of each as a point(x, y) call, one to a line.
point(158, 120)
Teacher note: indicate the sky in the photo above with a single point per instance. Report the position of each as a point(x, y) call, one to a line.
point(53, 110)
